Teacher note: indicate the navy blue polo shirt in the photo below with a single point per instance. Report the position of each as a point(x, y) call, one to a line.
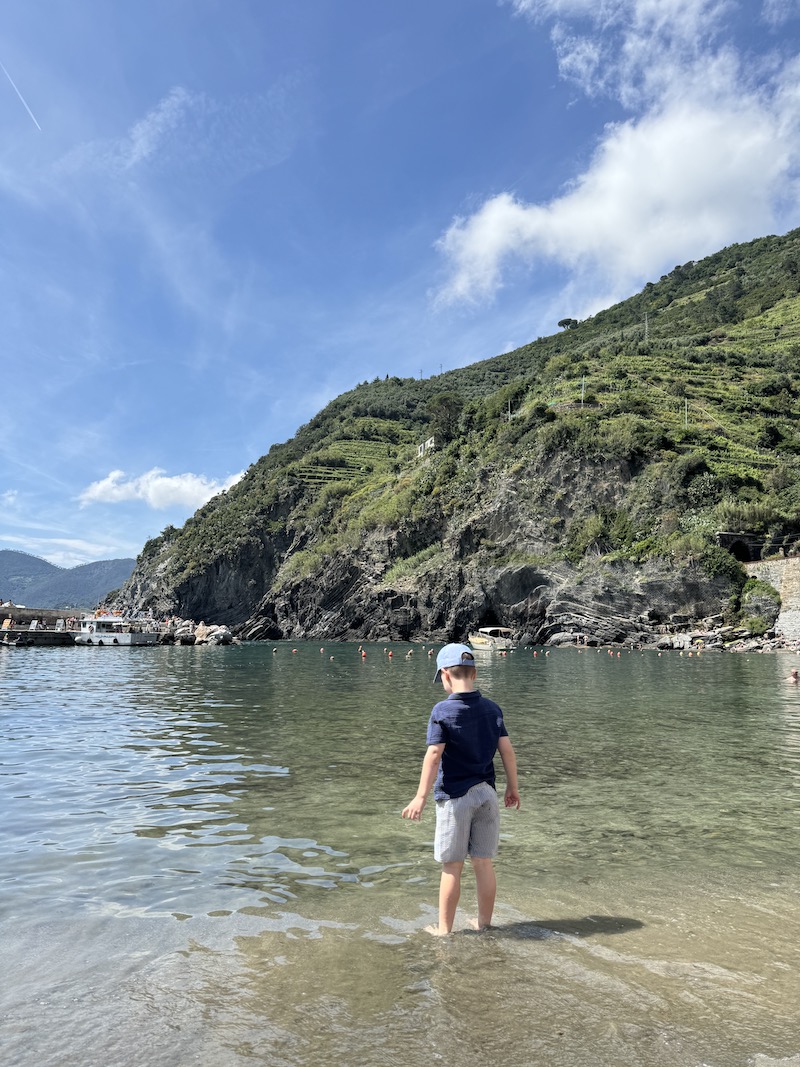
point(469, 725)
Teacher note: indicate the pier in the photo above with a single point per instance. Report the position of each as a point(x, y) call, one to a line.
point(34, 627)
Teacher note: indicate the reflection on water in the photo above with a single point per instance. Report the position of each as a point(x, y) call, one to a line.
point(203, 862)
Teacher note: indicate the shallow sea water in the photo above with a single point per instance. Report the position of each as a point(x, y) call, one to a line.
point(203, 862)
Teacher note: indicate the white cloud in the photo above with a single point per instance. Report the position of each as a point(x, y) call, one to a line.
point(197, 138)
point(707, 158)
point(156, 488)
point(158, 180)
point(776, 12)
point(686, 19)
point(641, 51)
point(145, 141)
point(682, 178)
point(150, 132)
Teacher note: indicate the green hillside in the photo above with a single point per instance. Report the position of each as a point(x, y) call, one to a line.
point(636, 434)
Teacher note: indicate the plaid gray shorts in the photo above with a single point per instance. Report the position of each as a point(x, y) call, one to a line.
point(467, 826)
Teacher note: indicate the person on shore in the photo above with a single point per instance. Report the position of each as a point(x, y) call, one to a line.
point(464, 732)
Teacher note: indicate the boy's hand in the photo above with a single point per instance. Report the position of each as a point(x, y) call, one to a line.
point(512, 799)
point(430, 767)
point(414, 809)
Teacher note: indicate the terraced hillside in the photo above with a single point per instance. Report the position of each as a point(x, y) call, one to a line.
point(628, 440)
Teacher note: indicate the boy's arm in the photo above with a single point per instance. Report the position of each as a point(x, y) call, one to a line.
point(430, 768)
point(509, 758)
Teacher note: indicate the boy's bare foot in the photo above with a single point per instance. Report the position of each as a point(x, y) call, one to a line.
point(434, 930)
point(473, 924)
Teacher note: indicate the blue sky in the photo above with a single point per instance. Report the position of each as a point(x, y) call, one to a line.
point(217, 216)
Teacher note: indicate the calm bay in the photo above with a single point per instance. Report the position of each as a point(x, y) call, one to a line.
point(203, 862)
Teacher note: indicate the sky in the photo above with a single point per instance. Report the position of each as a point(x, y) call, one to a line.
point(218, 215)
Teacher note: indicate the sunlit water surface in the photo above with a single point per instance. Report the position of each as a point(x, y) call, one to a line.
point(203, 862)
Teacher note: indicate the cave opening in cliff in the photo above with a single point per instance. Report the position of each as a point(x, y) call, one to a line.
point(741, 551)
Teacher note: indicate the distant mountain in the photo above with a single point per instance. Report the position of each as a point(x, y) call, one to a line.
point(26, 579)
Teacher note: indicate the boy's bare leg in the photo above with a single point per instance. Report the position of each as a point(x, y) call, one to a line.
point(449, 893)
point(486, 882)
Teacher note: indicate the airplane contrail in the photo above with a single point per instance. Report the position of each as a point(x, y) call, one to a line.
point(22, 98)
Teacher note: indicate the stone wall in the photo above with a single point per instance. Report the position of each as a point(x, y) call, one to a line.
point(783, 575)
point(23, 617)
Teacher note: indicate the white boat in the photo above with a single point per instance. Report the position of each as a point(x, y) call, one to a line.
point(492, 639)
point(113, 630)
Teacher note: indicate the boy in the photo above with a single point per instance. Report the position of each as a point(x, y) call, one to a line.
point(464, 732)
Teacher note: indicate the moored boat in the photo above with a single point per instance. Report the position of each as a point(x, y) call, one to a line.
point(492, 639)
point(109, 629)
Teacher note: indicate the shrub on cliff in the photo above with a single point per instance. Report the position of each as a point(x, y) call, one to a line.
point(717, 562)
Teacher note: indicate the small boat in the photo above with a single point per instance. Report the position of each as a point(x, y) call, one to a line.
point(492, 639)
point(108, 629)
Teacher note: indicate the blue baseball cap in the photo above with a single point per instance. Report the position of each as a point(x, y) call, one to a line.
point(454, 656)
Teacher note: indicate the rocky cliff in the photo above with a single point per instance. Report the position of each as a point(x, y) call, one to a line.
point(442, 572)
